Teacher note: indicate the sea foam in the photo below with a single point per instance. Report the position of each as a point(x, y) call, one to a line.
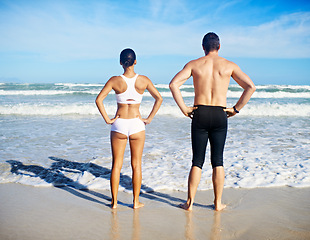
point(89, 109)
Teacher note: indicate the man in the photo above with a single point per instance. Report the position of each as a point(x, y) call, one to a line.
point(211, 75)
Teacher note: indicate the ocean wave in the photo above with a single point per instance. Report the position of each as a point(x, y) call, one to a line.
point(80, 84)
point(166, 94)
point(284, 87)
point(276, 110)
point(265, 109)
point(234, 94)
point(35, 92)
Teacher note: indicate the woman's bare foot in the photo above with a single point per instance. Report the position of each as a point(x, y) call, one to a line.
point(138, 205)
point(114, 204)
point(186, 206)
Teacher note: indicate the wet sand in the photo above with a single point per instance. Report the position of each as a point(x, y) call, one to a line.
point(66, 213)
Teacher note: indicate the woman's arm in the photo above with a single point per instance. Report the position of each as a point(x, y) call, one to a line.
point(158, 100)
point(99, 101)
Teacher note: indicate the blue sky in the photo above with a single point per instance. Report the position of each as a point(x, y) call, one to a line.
point(80, 41)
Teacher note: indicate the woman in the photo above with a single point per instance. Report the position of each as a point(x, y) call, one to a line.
point(128, 122)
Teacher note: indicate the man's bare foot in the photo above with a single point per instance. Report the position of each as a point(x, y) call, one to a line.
point(186, 206)
point(138, 205)
point(219, 207)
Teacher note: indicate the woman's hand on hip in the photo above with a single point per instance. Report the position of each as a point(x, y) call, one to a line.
point(112, 120)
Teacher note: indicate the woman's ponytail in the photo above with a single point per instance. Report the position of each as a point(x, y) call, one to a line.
point(127, 57)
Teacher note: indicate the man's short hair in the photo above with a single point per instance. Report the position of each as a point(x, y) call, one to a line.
point(211, 42)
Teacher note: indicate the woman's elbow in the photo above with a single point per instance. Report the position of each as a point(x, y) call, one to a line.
point(171, 85)
point(98, 100)
point(252, 87)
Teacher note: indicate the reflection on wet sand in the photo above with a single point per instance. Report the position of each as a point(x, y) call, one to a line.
point(115, 226)
point(136, 225)
point(115, 231)
point(189, 228)
point(215, 233)
point(216, 227)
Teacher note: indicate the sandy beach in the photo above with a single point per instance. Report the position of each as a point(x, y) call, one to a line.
point(66, 213)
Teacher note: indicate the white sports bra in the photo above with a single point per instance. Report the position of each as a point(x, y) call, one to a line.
point(130, 96)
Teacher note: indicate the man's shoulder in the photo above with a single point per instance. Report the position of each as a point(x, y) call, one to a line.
point(206, 60)
point(194, 62)
point(226, 62)
point(229, 61)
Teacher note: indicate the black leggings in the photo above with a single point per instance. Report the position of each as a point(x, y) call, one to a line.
point(209, 122)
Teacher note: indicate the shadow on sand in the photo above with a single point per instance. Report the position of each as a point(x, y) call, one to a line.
point(54, 175)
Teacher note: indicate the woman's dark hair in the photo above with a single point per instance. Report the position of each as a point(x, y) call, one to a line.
point(211, 42)
point(127, 57)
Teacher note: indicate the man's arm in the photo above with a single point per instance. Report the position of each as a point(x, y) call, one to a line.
point(249, 88)
point(175, 85)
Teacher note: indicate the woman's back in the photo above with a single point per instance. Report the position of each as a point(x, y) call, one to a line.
point(129, 92)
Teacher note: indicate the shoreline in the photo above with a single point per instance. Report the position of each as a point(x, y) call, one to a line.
point(28, 212)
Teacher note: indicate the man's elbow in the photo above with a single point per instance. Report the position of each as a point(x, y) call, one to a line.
point(252, 87)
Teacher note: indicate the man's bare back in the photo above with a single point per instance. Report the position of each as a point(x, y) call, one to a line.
point(211, 76)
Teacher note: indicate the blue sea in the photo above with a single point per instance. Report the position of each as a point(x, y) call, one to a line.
point(53, 135)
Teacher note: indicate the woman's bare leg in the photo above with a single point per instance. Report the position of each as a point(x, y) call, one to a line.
point(136, 147)
point(118, 145)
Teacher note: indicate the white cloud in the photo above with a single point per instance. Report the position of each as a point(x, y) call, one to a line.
point(59, 35)
point(286, 37)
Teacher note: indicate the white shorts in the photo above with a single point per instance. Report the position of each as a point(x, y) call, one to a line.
point(128, 126)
